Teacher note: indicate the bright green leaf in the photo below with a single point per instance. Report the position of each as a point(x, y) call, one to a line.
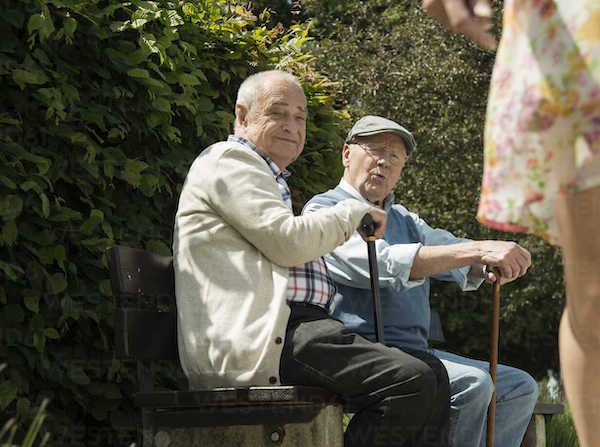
point(70, 25)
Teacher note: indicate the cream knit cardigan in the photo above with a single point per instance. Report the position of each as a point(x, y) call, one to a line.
point(234, 240)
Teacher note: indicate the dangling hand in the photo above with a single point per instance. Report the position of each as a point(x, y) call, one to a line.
point(470, 17)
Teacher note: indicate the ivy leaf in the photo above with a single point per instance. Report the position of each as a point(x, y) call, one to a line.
point(56, 283)
point(138, 73)
point(187, 79)
point(51, 333)
point(35, 23)
point(158, 247)
point(9, 233)
point(60, 256)
point(39, 342)
point(11, 270)
point(78, 376)
point(45, 205)
point(70, 25)
point(95, 219)
point(105, 287)
point(8, 393)
point(65, 214)
point(41, 23)
point(32, 303)
point(204, 104)
point(14, 313)
point(8, 182)
point(23, 77)
point(132, 173)
point(11, 206)
point(162, 105)
point(153, 119)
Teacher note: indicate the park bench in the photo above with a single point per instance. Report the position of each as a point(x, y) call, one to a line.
point(146, 332)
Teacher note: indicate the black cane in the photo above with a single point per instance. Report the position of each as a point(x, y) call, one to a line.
point(368, 229)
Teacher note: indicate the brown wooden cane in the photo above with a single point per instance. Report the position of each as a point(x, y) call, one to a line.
point(494, 330)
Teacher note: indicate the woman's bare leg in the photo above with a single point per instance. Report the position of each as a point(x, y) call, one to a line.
point(578, 216)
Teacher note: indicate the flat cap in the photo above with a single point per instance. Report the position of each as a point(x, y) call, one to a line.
point(371, 125)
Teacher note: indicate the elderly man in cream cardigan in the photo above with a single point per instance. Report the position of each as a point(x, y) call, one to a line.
point(254, 295)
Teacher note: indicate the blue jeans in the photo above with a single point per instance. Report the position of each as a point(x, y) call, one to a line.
point(470, 393)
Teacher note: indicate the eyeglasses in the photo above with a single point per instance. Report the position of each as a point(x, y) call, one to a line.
point(379, 153)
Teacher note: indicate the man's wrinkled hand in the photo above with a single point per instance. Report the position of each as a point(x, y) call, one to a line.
point(511, 260)
point(473, 18)
point(379, 223)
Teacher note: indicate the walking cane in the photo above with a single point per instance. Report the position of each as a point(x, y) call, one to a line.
point(494, 329)
point(366, 224)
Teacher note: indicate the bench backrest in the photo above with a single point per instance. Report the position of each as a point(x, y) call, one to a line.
point(143, 334)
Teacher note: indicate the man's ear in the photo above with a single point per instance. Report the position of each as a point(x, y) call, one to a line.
point(241, 114)
point(346, 155)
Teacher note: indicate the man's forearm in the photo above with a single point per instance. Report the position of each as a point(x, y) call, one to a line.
point(511, 259)
point(431, 260)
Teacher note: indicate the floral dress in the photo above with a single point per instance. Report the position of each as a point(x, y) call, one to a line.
point(542, 134)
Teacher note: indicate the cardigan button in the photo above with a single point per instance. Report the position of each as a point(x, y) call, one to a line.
point(272, 380)
point(278, 340)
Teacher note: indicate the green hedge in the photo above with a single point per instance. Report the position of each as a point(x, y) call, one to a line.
point(105, 105)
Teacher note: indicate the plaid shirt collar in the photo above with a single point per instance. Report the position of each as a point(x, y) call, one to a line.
point(276, 171)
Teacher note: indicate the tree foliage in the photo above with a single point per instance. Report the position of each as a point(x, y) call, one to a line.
point(389, 58)
point(105, 106)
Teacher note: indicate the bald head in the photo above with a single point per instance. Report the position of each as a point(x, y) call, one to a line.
point(271, 112)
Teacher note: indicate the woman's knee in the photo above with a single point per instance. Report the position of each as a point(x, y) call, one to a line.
point(583, 326)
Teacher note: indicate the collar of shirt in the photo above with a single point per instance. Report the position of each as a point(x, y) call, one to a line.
point(387, 202)
point(272, 165)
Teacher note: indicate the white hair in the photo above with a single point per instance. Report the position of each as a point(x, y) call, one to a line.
point(254, 85)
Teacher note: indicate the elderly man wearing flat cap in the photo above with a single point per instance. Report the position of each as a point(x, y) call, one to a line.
point(409, 254)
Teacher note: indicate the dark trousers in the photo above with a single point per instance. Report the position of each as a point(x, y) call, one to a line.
point(401, 399)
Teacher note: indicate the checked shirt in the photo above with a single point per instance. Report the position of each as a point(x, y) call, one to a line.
point(308, 283)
